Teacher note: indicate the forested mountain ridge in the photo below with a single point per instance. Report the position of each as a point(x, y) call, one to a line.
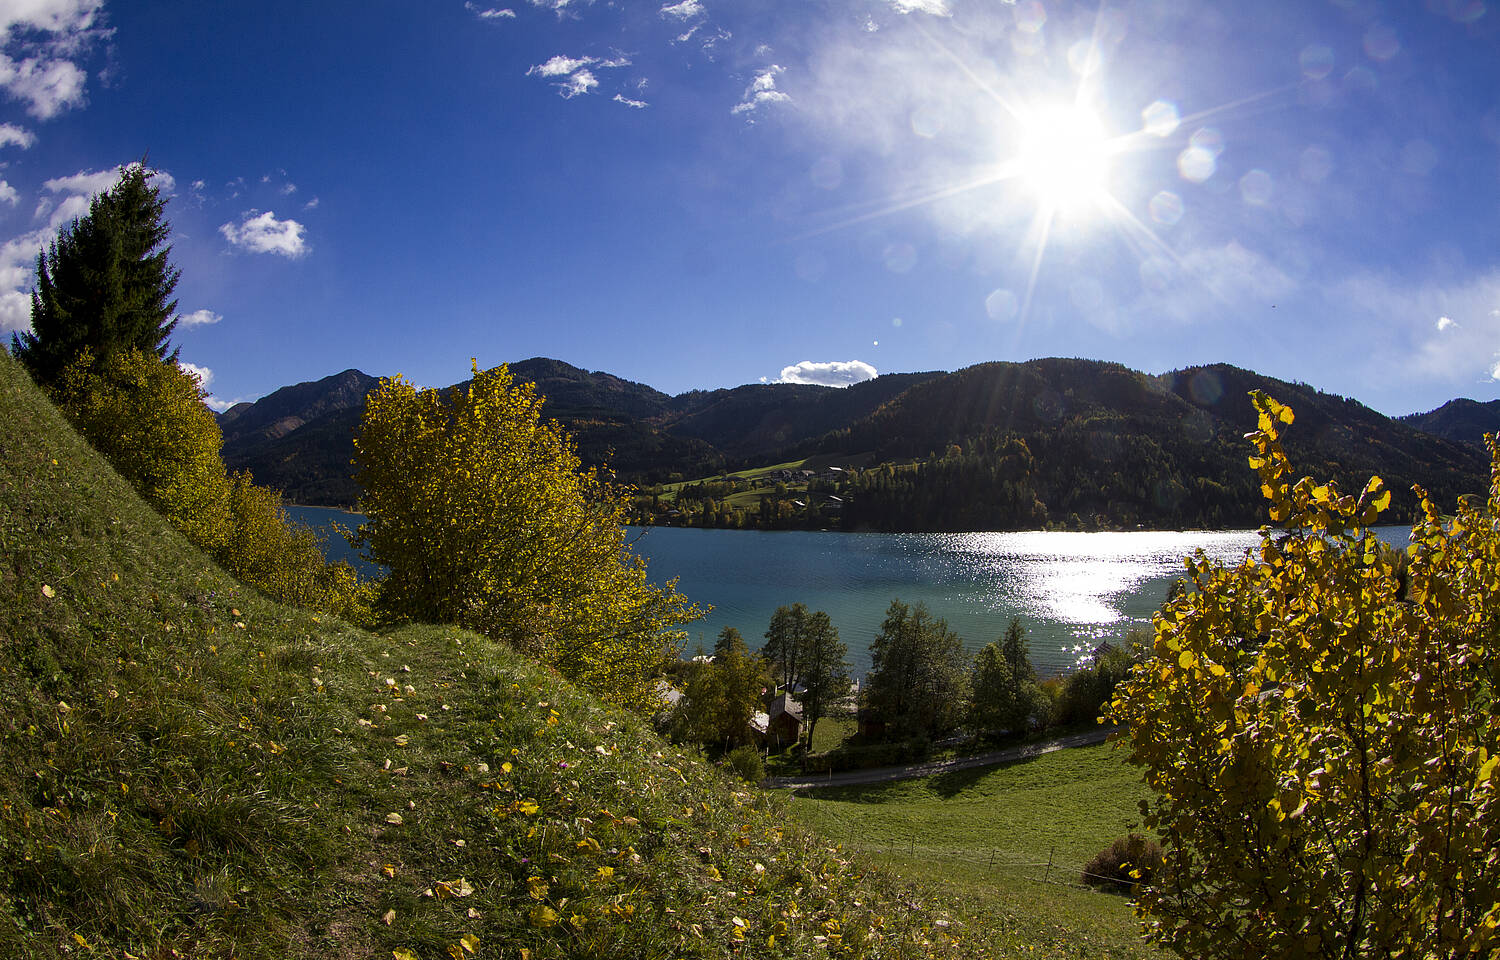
point(1052, 442)
point(1461, 420)
point(1081, 443)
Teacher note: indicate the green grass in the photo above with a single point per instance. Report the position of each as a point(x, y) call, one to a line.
point(986, 836)
point(188, 769)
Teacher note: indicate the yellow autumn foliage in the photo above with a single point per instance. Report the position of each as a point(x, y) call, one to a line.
point(1320, 724)
point(484, 516)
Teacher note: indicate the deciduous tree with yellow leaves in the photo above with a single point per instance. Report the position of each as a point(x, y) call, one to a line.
point(1321, 728)
point(485, 518)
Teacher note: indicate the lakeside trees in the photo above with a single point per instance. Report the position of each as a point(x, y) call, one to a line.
point(1004, 694)
point(1321, 729)
point(484, 516)
point(918, 677)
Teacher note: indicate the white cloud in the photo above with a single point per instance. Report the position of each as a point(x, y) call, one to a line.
point(828, 373)
point(560, 66)
point(42, 39)
point(490, 14)
point(84, 184)
point(581, 82)
point(684, 11)
point(936, 8)
point(12, 135)
point(47, 86)
point(205, 376)
point(577, 79)
point(311, 204)
point(51, 16)
point(219, 406)
point(263, 233)
point(8, 194)
point(1412, 346)
point(762, 90)
point(637, 104)
point(198, 318)
point(560, 7)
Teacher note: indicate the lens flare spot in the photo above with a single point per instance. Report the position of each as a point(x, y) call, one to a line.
point(900, 257)
point(1002, 305)
point(1196, 164)
point(1160, 119)
point(1166, 208)
point(1316, 61)
point(1255, 188)
point(1381, 42)
point(1030, 16)
point(1315, 164)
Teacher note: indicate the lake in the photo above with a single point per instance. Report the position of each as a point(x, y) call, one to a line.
point(1071, 590)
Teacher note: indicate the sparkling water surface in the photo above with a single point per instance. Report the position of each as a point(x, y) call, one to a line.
point(1072, 591)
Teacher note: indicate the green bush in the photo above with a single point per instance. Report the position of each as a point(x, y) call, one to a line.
point(1131, 859)
point(747, 763)
point(265, 549)
point(147, 417)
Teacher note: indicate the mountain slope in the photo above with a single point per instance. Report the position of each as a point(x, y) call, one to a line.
point(190, 770)
point(1086, 443)
point(1462, 421)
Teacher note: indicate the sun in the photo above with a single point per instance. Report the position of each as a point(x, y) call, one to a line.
point(1064, 156)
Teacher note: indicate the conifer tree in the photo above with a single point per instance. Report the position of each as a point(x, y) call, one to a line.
point(105, 284)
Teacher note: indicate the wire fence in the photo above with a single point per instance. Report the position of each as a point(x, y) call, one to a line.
point(1052, 870)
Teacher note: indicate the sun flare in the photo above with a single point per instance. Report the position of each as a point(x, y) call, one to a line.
point(1064, 156)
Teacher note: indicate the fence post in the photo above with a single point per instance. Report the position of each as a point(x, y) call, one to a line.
point(1050, 852)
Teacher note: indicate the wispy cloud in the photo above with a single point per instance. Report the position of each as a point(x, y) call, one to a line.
point(1434, 331)
point(491, 13)
point(198, 318)
point(762, 90)
point(936, 8)
point(828, 373)
point(637, 104)
point(14, 136)
point(560, 66)
point(575, 74)
point(684, 11)
point(8, 194)
point(263, 233)
point(561, 7)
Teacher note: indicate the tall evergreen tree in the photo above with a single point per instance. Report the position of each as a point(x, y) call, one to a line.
point(105, 284)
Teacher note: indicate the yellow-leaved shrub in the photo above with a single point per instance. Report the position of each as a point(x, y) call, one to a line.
point(1320, 726)
point(482, 512)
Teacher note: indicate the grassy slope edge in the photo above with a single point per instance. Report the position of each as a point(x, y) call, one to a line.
point(187, 769)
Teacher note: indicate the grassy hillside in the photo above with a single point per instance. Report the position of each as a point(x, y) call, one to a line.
point(986, 836)
point(189, 770)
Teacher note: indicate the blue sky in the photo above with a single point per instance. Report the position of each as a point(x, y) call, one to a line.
point(715, 192)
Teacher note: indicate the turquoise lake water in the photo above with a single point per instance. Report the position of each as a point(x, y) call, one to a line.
point(1071, 590)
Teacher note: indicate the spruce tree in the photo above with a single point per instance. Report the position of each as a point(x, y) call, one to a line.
point(105, 284)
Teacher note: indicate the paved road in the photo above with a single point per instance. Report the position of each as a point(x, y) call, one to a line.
point(854, 778)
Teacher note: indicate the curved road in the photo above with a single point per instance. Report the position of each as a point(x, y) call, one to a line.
point(854, 778)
